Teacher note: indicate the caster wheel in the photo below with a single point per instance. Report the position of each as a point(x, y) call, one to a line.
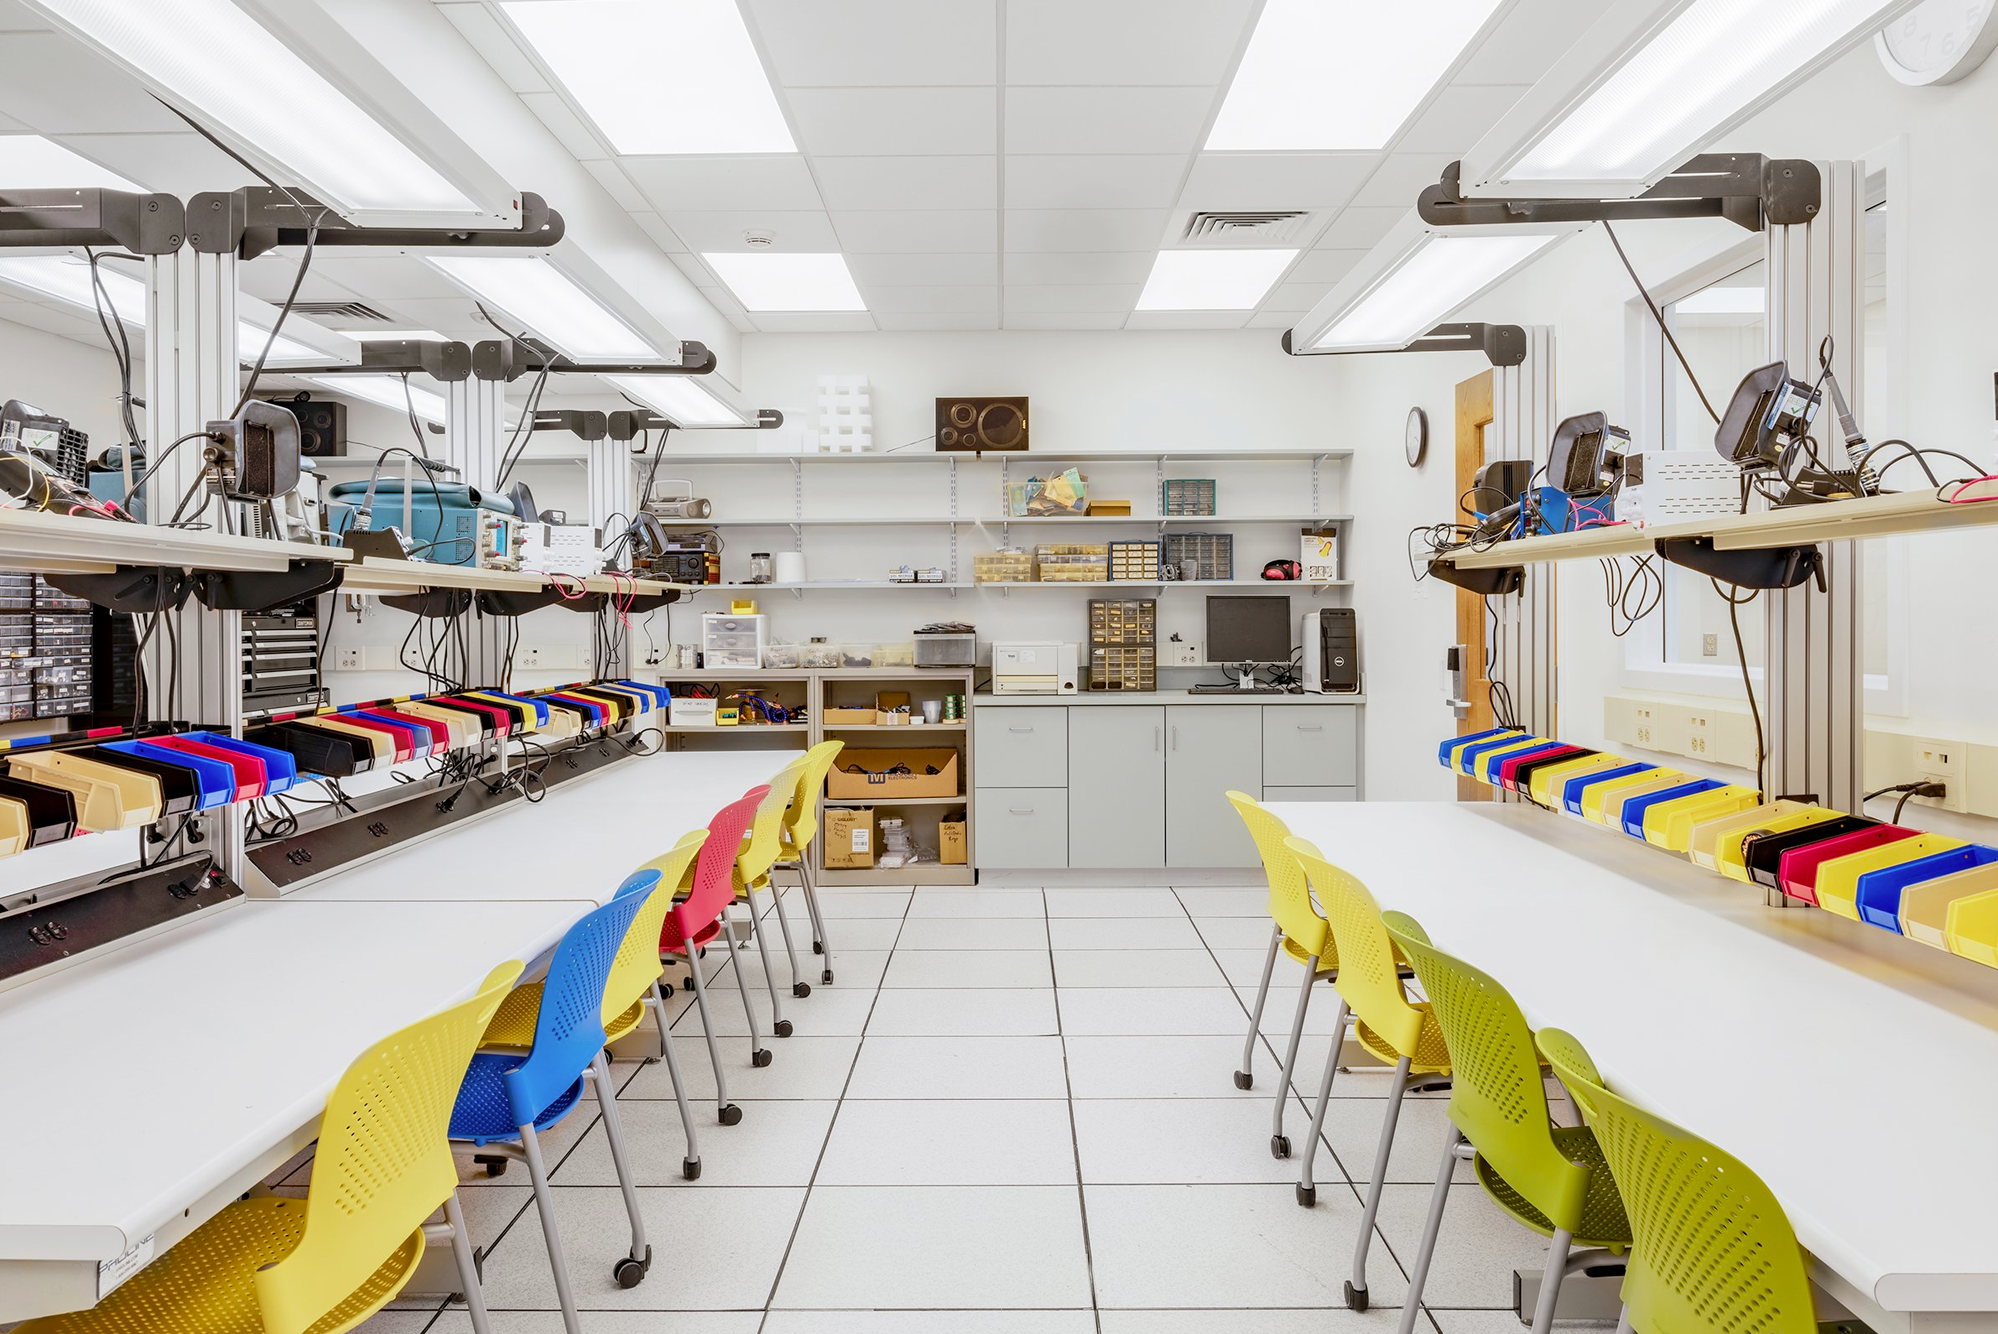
point(783, 1028)
point(1356, 1298)
point(825, 978)
point(1307, 1196)
point(801, 989)
point(730, 1114)
point(495, 1167)
point(691, 1169)
point(760, 1057)
point(818, 947)
point(629, 1272)
point(1279, 1146)
point(665, 988)
point(1243, 1079)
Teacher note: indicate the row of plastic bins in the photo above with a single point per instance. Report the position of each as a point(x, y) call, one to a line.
point(1940, 891)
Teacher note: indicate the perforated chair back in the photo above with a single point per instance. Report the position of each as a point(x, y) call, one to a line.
point(569, 1030)
point(383, 1165)
point(801, 821)
point(766, 829)
point(637, 964)
point(1496, 1095)
point(1290, 895)
point(1712, 1250)
point(1369, 971)
point(713, 885)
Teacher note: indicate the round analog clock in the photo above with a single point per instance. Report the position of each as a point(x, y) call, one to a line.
point(1938, 41)
point(1415, 436)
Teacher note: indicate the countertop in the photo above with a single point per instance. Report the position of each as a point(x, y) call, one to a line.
point(984, 700)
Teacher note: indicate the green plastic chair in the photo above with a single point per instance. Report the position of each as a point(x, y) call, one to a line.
point(1713, 1252)
point(1550, 1178)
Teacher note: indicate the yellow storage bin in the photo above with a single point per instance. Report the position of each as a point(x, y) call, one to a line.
point(1669, 824)
point(1550, 781)
point(107, 797)
point(1971, 928)
point(1729, 859)
point(461, 729)
point(1703, 843)
point(1486, 760)
point(1613, 802)
point(15, 826)
point(1838, 879)
point(1603, 802)
point(1925, 907)
point(1454, 754)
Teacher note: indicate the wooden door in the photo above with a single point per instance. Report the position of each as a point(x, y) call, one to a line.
point(1474, 415)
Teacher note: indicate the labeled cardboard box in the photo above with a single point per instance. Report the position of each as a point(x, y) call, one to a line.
point(892, 708)
point(849, 844)
point(884, 773)
point(841, 717)
point(953, 840)
point(687, 711)
point(1318, 554)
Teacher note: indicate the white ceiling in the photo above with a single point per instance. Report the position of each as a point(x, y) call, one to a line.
point(983, 164)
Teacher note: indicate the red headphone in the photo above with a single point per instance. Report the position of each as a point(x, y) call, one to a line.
point(1283, 569)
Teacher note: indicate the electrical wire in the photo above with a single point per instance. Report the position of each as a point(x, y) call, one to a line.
point(1735, 602)
point(290, 299)
point(154, 466)
point(1659, 316)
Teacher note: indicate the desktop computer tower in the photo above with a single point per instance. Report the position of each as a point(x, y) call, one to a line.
point(1331, 651)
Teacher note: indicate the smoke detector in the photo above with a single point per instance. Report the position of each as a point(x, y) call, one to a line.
point(759, 238)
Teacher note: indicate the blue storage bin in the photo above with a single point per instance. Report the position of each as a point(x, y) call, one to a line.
point(540, 706)
point(1878, 893)
point(1451, 743)
point(443, 520)
point(1633, 810)
point(1571, 793)
point(1471, 758)
point(1488, 768)
point(421, 741)
point(280, 769)
point(215, 780)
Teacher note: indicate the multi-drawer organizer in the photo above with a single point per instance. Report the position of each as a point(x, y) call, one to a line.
point(1940, 891)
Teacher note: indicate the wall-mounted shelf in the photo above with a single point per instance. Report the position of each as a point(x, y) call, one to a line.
point(996, 520)
point(409, 576)
point(1068, 456)
point(833, 585)
point(906, 729)
point(61, 543)
point(896, 801)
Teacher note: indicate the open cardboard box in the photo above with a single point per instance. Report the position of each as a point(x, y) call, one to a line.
point(862, 772)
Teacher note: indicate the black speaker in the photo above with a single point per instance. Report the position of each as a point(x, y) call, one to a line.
point(981, 425)
point(322, 426)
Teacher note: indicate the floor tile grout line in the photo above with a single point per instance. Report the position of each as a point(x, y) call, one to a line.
point(818, 1164)
point(1074, 1135)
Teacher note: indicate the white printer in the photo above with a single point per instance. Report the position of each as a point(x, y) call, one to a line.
point(1035, 669)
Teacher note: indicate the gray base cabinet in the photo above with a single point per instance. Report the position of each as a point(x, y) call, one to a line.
point(1211, 750)
point(1119, 817)
point(1020, 828)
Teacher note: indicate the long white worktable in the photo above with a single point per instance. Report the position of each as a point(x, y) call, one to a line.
point(147, 1087)
point(1856, 1072)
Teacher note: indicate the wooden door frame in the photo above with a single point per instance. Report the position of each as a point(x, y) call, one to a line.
point(1474, 412)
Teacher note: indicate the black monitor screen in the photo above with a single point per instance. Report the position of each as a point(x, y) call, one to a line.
point(1248, 629)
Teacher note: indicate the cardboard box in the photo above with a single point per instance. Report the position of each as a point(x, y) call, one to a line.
point(1318, 553)
point(838, 717)
point(863, 773)
point(849, 844)
point(953, 839)
point(892, 708)
point(687, 711)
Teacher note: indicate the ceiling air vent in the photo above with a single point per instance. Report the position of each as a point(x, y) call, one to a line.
point(1275, 228)
point(341, 310)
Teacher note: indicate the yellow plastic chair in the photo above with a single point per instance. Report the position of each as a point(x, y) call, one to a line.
point(277, 1265)
point(1300, 932)
point(1385, 1022)
point(760, 852)
point(1713, 1250)
point(799, 829)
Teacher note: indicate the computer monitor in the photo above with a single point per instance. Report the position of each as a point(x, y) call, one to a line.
point(1248, 630)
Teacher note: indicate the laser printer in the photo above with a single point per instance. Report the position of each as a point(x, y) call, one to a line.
point(1035, 669)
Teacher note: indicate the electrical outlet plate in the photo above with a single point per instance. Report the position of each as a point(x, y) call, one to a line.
point(350, 659)
point(1936, 761)
point(1185, 653)
point(528, 659)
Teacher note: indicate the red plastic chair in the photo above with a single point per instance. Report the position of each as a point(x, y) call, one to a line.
point(699, 918)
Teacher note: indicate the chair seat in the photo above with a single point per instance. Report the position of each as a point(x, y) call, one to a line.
point(671, 941)
point(483, 1114)
point(207, 1282)
point(625, 1022)
point(1603, 1220)
point(1430, 1056)
point(1327, 965)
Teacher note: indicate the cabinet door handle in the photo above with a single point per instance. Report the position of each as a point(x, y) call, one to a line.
point(1019, 729)
point(1175, 736)
point(1020, 810)
point(1158, 738)
point(1311, 727)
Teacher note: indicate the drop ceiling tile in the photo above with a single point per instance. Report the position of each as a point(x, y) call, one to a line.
point(937, 231)
point(181, 164)
point(662, 235)
point(1080, 229)
point(799, 232)
point(824, 321)
point(60, 86)
point(1041, 268)
point(8, 125)
point(1300, 294)
point(722, 299)
point(878, 43)
point(1275, 180)
point(384, 277)
point(62, 321)
point(1060, 320)
point(860, 122)
point(1275, 319)
point(698, 273)
point(495, 43)
point(562, 121)
point(979, 300)
point(1458, 117)
point(271, 277)
point(938, 323)
point(871, 271)
point(1528, 41)
point(1322, 266)
point(1097, 42)
point(743, 324)
point(619, 186)
point(17, 17)
point(1106, 120)
point(1359, 228)
point(908, 182)
point(714, 184)
point(437, 313)
point(1088, 181)
point(1402, 179)
point(1187, 319)
point(1072, 298)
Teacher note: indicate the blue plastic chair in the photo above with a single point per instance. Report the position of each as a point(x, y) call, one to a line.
point(507, 1099)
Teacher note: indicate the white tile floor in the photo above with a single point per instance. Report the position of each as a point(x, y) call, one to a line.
point(1011, 1112)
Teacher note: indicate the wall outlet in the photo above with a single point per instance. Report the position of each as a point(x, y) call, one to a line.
point(1942, 762)
point(1702, 736)
point(527, 659)
point(349, 659)
point(1184, 653)
point(1710, 646)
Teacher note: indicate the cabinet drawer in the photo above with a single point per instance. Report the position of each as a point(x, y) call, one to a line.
point(1311, 794)
point(1310, 747)
point(1025, 747)
point(1022, 828)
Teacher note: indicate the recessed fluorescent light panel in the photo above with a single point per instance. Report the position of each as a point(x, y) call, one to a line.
point(658, 76)
point(395, 336)
point(680, 399)
point(1414, 280)
point(1341, 74)
point(385, 390)
point(67, 279)
point(544, 299)
point(30, 162)
point(774, 281)
point(1653, 83)
point(246, 86)
point(1212, 279)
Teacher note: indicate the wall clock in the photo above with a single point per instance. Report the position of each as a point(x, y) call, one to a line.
point(1938, 41)
point(1415, 436)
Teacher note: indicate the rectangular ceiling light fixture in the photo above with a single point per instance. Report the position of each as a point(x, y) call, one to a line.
point(547, 302)
point(1654, 82)
point(395, 336)
point(702, 89)
point(1342, 74)
point(386, 391)
point(223, 68)
point(774, 281)
point(1415, 279)
point(682, 400)
point(1212, 279)
point(30, 162)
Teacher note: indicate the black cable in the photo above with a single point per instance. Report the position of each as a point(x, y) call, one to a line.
point(1734, 604)
point(120, 343)
point(290, 299)
point(1659, 316)
point(154, 466)
point(523, 431)
point(409, 405)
